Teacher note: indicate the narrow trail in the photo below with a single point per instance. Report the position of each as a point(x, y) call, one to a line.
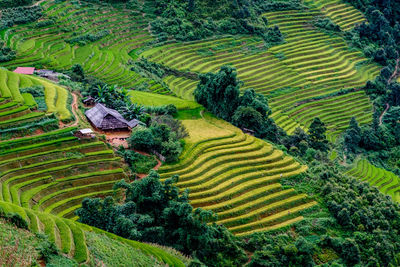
point(38, 3)
point(383, 114)
point(74, 110)
point(396, 71)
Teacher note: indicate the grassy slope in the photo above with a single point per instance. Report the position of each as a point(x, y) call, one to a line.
point(21, 246)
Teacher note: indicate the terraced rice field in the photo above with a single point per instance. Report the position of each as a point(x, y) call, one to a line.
point(387, 182)
point(16, 107)
point(53, 172)
point(45, 177)
point(107, 58)
point(237, 176)
point(312, 74)
point(152, 99)
point(342, 14)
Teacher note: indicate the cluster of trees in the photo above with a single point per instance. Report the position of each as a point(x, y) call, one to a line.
point(163, 136)
point(87, 38)
point(155, 211)
point(372, 217)
point(6, 53)
point(19, 15)
point(14, 3)
point(380, 142)
point(198, 19)
point(357, 226)
point(327, 24)
point(306, 145)
point(137, 162)
point(220, 94)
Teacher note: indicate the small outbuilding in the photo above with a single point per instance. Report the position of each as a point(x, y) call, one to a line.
point(51, 75)
point(248, 131)
point(89, 101)
point(85, 133)
point(104, 118)
point(25, 70)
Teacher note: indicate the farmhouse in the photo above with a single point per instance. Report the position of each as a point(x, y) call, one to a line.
point(104, 118)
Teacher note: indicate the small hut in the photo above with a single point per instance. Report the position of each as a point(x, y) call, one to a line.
point(248, 131)
point(85, 133)
point(51, 75)
point(104, 118)
point(89, 101)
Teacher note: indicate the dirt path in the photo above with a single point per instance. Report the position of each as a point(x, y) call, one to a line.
point(383, 114)
point(38, 2)
point(396, 71)
point(74, 110)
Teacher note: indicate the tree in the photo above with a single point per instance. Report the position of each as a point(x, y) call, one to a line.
point(317, 135)
point(142, 139)
point(350, 252)
point(298, 140)
point(247, 117)
point(394, 94)
point(352, 136)
point(219, 93)
point(78, 74)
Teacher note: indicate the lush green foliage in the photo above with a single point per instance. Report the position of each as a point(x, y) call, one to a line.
point(195, 20)
point(154, 211)
point(220, 94)
point(14, 3)
point(19, 15)
point(137, 162)
point(6, 53)
point(162, 136)
point(86, 38)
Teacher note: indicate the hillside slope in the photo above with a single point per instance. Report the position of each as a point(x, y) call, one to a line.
point(45, 177)
point(237, 176)
point(313, 72)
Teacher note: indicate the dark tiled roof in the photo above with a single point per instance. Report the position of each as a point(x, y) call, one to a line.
point(105, 118)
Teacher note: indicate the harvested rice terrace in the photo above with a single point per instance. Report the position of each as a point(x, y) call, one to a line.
point(106, 58)
point(54, 172)
point(387, 182)
point(238, 176)
point(303, 76)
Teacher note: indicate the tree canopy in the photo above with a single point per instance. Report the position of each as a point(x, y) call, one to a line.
point(155, 211)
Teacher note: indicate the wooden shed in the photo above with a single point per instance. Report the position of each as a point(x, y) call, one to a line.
point(85, 133)
point(89, 101)
point(104, 118)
